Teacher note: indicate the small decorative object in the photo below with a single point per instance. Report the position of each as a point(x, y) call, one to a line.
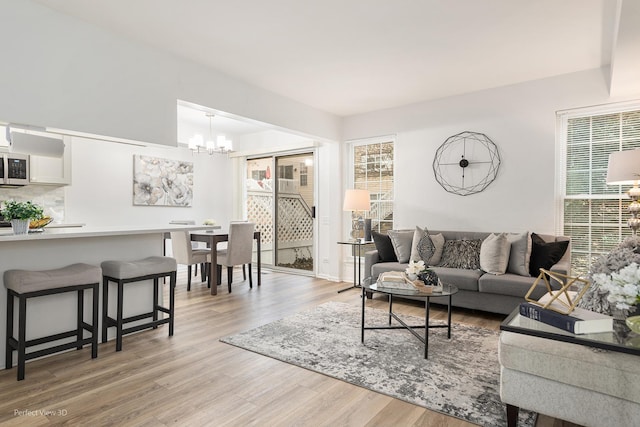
point(623, 287)
point(466, 163)
point(429, 277)
point(568, 299)
point(39, 224)
point(414, 269)
point(633, 323)
point(20, 214)
point(209, 222)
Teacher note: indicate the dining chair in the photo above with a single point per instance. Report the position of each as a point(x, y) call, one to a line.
point(194, 245)
point(239, 250)
point(185, 254)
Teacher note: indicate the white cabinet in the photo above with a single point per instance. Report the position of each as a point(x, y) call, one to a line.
point(51, 170)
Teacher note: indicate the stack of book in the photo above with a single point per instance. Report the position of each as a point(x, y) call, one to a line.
point(399, 280)
point(579, 321)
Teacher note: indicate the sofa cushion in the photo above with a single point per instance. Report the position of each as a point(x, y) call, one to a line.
point(384, 247)
point(462, 278)
point(494, 253)
point(382, 267)
point(510, 284)
point(461, 254)
point(545, 254)
point(401, 240)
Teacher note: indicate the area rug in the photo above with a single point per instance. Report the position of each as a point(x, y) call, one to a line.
point(460, 378)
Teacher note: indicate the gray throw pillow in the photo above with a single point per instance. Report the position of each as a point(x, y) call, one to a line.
point(520, 253)
point(494, 253)
point(401, 240)
point(438, 242)
point(461, 254)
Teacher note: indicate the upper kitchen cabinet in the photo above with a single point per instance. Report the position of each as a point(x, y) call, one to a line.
point(49, 170)
point(49, 154)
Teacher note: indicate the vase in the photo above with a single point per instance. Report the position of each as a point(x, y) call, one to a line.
point(412, 276)
point(20, 226)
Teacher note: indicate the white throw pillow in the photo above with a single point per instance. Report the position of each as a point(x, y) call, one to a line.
point(494, 254)
point(520, 253)
point(434, 254)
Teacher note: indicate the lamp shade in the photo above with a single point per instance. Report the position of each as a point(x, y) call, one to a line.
point(624, 167)
point(357, 200)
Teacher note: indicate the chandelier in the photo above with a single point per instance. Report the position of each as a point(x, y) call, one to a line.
point(220, 145)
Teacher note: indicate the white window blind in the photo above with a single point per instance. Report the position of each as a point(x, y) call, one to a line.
point(594, 213)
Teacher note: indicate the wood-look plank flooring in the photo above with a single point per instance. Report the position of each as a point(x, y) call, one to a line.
point(193, 379)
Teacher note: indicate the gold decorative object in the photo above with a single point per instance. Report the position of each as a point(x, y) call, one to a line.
point(569, 298)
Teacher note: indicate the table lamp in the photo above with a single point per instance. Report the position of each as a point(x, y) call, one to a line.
point(624, 169)
point(354, 201)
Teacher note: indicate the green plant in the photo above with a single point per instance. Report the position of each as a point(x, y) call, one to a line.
point(20, 210)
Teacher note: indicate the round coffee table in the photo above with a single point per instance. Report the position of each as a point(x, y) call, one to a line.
point(447, 291)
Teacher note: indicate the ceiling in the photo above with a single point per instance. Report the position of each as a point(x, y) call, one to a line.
point(354, 56)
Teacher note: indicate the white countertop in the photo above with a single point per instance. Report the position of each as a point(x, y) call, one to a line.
point(6, 235)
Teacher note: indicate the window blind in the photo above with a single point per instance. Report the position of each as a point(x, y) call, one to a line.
point(594, 213)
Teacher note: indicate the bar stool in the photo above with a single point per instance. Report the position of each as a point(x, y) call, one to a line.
point(122, 272)
point(26, 284)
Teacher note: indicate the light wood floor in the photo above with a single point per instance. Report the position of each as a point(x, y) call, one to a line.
point(193, 379)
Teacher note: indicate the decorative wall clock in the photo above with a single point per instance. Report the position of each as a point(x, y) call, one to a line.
point(466, 163)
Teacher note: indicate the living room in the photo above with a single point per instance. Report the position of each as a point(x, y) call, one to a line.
point(132, 96)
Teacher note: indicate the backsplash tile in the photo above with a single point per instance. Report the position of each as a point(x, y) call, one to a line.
point(51, 198)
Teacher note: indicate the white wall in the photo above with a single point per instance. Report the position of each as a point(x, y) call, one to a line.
point(519, 119)
point(60, 72)
point(102, 188)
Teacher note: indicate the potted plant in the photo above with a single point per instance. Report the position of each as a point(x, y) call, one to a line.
point(20, 214)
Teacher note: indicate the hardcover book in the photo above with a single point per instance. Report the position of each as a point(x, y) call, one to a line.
point(580, 321)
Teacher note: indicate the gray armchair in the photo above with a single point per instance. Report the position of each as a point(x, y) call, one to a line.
point(239, 250)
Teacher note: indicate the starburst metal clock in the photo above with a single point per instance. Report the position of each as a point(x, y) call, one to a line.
point(466, 163)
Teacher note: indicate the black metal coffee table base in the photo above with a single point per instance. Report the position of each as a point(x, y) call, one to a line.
point(411, 328)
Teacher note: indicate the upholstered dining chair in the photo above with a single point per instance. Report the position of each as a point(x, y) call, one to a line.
point(239, 250)
point(194, 245)
point(185, 254)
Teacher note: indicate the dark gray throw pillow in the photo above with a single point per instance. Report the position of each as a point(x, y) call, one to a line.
point(461, 254)
point(384, 247)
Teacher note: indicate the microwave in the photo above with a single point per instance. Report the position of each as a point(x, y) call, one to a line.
point(14, 170)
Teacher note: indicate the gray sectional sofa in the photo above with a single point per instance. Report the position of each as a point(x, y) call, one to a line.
point(496, 293)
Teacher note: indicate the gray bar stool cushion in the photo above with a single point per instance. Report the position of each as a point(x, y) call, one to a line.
point(23, 281)
point(139, 268)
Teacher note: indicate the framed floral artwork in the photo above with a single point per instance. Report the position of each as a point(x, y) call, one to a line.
point(162, 182)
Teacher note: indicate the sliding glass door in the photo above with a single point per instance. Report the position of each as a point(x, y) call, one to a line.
point(281, 201)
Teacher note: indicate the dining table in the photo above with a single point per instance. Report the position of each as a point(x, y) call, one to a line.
point(212, 238)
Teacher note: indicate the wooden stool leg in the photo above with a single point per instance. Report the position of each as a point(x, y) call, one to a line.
point(22, 335)
point(512, 415)
point(94, 323)
point(80, 318)
point(119, 316)
point(105, 307)
point(8, 354)
point(250, 277)
point(244, 272)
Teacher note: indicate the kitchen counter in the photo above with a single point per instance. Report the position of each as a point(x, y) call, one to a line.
point(74, 231)
point(58, 247)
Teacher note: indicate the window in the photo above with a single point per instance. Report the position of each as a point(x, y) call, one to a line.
point(594, 214)
point(285, 172)
point(303, 175)
point(373, 170)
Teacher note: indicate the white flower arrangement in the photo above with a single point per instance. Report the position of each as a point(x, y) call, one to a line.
point(623, 286)
point(415, 267)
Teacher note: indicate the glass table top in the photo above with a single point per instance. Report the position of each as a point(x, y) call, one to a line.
point(622, 339)
point(447, 290)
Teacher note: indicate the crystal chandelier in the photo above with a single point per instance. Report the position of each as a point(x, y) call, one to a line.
point(221, 145)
